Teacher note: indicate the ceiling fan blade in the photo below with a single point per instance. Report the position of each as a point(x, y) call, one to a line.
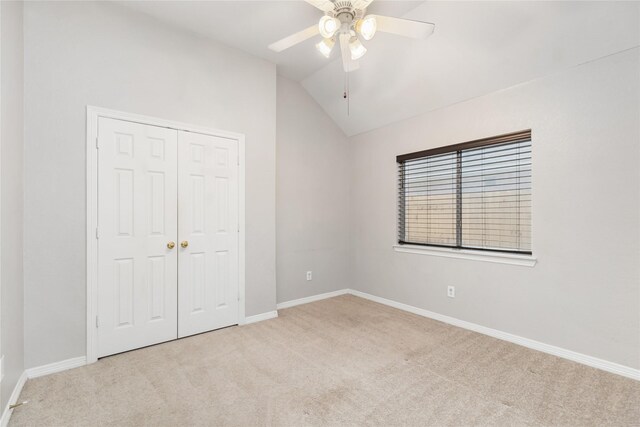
point(294, 39)
point(324, 5)
point(347, 63)
point(361, 4)
point(405, 27)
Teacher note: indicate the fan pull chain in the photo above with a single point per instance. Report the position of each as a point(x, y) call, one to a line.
point(346, 94)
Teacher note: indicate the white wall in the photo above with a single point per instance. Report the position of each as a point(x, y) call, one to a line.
point(11, 147)
point(81, 53)
point(313, 193)
point(584, 293)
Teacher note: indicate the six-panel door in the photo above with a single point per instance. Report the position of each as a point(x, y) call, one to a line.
point(150, 288)
point(208, 228)
point(137, 217)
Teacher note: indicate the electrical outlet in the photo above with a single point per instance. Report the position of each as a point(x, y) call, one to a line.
point(451, 291)
point(309, 275)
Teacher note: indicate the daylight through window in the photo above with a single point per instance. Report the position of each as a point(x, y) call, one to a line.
point(474, 195)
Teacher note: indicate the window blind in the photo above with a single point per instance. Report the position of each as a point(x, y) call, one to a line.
point(474, 195)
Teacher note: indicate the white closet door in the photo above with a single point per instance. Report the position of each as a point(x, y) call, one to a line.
point(208, 230)
point(137, 218)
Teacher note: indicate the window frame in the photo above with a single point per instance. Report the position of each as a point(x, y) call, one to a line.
point(513, 137)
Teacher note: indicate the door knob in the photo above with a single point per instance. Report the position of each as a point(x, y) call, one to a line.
point(184, 244)
point(171, 245)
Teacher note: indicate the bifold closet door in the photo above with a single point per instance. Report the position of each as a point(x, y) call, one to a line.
point(137, 226)
point(208, 230)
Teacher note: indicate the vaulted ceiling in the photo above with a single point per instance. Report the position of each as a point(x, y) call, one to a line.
point(477, 48)
point(252, 25)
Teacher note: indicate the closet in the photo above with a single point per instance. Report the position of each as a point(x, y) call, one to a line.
point(167, 235)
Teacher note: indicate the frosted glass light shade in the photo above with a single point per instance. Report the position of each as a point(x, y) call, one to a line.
point(325, 47)
point(367, 27)
point(328, 26)
point(357, 49)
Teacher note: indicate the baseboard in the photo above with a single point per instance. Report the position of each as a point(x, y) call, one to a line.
point(52, 368)
point(35, 373)
point(15, 395)
point(260, 317)
point(584, 359)
point(312, 298)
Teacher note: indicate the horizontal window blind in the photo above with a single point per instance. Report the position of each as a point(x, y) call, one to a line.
point(474, 195)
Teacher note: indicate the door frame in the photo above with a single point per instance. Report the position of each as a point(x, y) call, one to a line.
point(93, 115)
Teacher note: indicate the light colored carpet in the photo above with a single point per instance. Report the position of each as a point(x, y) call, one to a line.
point(342, 361)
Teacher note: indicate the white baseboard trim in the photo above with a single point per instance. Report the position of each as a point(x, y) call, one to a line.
point(260, 317)
point(312, 298)
point(15, 395)
point(584, 359)
point(35, 373)
point(52, 368)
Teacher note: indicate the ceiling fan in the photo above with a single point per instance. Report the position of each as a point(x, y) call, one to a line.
point(345, 21)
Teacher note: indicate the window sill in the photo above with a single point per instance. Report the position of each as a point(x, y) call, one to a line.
point(496, 257)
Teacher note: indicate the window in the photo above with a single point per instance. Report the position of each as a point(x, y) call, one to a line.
point(474, 195)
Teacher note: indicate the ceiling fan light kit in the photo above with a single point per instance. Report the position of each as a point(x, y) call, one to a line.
point(344, 20)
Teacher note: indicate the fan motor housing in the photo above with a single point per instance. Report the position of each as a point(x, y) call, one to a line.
point(345, 12)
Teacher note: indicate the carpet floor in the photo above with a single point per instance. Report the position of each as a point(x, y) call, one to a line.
point(342, 361)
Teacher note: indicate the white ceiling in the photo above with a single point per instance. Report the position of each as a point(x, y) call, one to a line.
point(478, 47)
point(252, 25)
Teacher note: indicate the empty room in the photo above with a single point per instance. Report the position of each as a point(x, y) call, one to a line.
point(319, 213)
